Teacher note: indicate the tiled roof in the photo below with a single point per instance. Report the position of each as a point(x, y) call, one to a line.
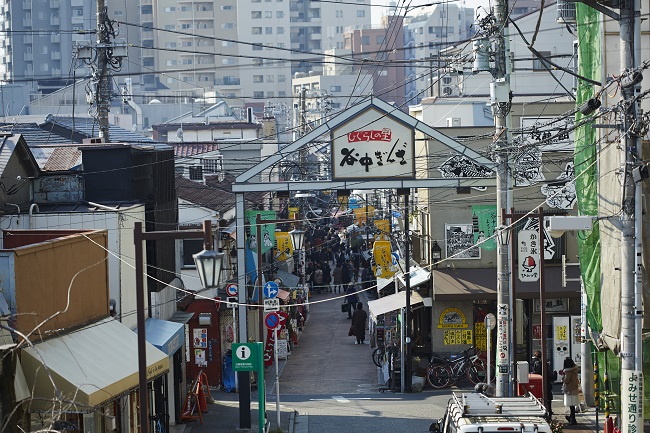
point(214, 194)
point(34, 134)
point(187, 150)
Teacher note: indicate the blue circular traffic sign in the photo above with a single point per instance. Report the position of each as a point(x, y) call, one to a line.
point(272, 320)
point(270, 289)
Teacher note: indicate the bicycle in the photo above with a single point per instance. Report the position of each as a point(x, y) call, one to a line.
point(444, 372)
point(383, 353)
point(160, 420)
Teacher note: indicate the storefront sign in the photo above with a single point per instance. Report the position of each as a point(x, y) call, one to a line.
point(373, 145)
point(457, 336)
point(452, 318)
point(528, 246)
point(553, 305)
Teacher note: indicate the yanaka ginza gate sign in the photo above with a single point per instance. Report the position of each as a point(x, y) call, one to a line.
point(373, 145)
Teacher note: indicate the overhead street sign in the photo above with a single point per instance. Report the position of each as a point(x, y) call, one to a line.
point(272, 304)
point(270, 289)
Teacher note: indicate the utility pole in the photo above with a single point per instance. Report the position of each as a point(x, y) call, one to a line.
point(630, 221)
point(500, 100)
point(303, 130)
point(103, 42)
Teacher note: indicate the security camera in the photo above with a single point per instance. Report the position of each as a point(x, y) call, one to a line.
point(557, 225)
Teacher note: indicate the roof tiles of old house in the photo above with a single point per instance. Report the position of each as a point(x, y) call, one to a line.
point(214, 194)
point(186, 150)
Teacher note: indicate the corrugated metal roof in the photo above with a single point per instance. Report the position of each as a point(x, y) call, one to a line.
point(34, 134)
point(58, 158)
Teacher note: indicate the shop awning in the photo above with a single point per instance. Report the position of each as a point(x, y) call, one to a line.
point(418, 276)
point(289, 280)
point(89, 367)
point(481, 284)
point(391, 303)
point(166, 336)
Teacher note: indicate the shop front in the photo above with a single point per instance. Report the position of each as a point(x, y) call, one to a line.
point(87, 380)
point(169, 337)
point(463, 297)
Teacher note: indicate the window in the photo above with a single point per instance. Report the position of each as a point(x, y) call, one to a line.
point(380, 39)
point(257, 47)
point(256, 30)
point(186, 43)
point(228, 26)
point(186, 26)
point(270, 78)
point(339, 14)
point(118, 13)
point(228, 61)
point(226, 8)
point(258, 95)
point(280, 45)
point(361, 14)
point(279, 30)
point(171, 62)
point(227, 44)
point(170, 27)
point(268, 30)
point(145, 9)
point(365, 40)
point(268, 14)
point(170, 9)
point(279, 14)
point(282, 94)
point(191, 247)
point(258, 78)
point(335, 88)
point(538, 64)
point(281, 78)
point(187, 61)
point(256, 15)
point(270, 94)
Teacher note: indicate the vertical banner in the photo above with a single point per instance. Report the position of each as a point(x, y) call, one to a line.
point(383, 259)
point(284, 246)
point(486, 219)
point(268, 230)
point(528, 248)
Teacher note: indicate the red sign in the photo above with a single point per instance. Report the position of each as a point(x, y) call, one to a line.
point(370, 135)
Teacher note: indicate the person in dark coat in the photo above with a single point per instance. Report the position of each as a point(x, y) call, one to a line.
point(570, 387)
point(351, 299)
point(536, 368)
point(359, 323)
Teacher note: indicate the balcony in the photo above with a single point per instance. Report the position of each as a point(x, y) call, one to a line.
point(27, 39)
point(28, 57)
point(55, 38)
point(55, 21)
point(56, 72)
point(27, 22)
point(315, 36)
point(55, 4)
point(27, 5)
point(55, 55)
point(227, 81)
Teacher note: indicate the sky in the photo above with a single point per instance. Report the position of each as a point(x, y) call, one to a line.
point(377, 12)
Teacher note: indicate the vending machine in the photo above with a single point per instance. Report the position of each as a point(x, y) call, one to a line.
point(566, 341)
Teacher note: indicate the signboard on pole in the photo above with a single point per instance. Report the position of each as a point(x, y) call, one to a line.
point(244, 357)
point(528, 248)
point(231, 289)
point(272, 304)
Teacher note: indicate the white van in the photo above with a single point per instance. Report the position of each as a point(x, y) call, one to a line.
point(478, 413)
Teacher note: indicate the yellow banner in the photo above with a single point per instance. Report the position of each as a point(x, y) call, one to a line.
point(384, 229)
point(381, 252)
point(362, 214)
point(284, 248)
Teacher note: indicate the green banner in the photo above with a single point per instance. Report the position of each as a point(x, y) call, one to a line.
point(485, 222)
point(268, 230)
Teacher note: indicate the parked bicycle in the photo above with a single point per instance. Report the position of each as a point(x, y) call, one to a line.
point(383, 353)
point(444, 372)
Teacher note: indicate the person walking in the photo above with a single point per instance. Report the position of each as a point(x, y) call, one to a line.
point(536, 368)
point(359, 323)
point(570, 389)
point(351, 299)
point(337, 276)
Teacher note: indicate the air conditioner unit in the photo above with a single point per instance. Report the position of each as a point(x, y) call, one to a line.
point(453, 121)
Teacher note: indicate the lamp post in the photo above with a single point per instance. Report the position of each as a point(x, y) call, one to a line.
point(208, 265)
point(504, 315)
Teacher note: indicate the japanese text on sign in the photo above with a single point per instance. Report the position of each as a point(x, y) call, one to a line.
point(373, 145)
point(528, 253)
point(457, 336)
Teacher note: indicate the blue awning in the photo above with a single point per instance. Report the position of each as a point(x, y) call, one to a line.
point(166, 336)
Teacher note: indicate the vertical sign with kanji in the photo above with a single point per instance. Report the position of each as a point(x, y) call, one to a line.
point(528, 247)
point(631, 401)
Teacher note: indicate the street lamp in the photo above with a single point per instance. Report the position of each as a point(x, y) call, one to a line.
point(208, 263)
point(436, 253)
point(297, 240)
